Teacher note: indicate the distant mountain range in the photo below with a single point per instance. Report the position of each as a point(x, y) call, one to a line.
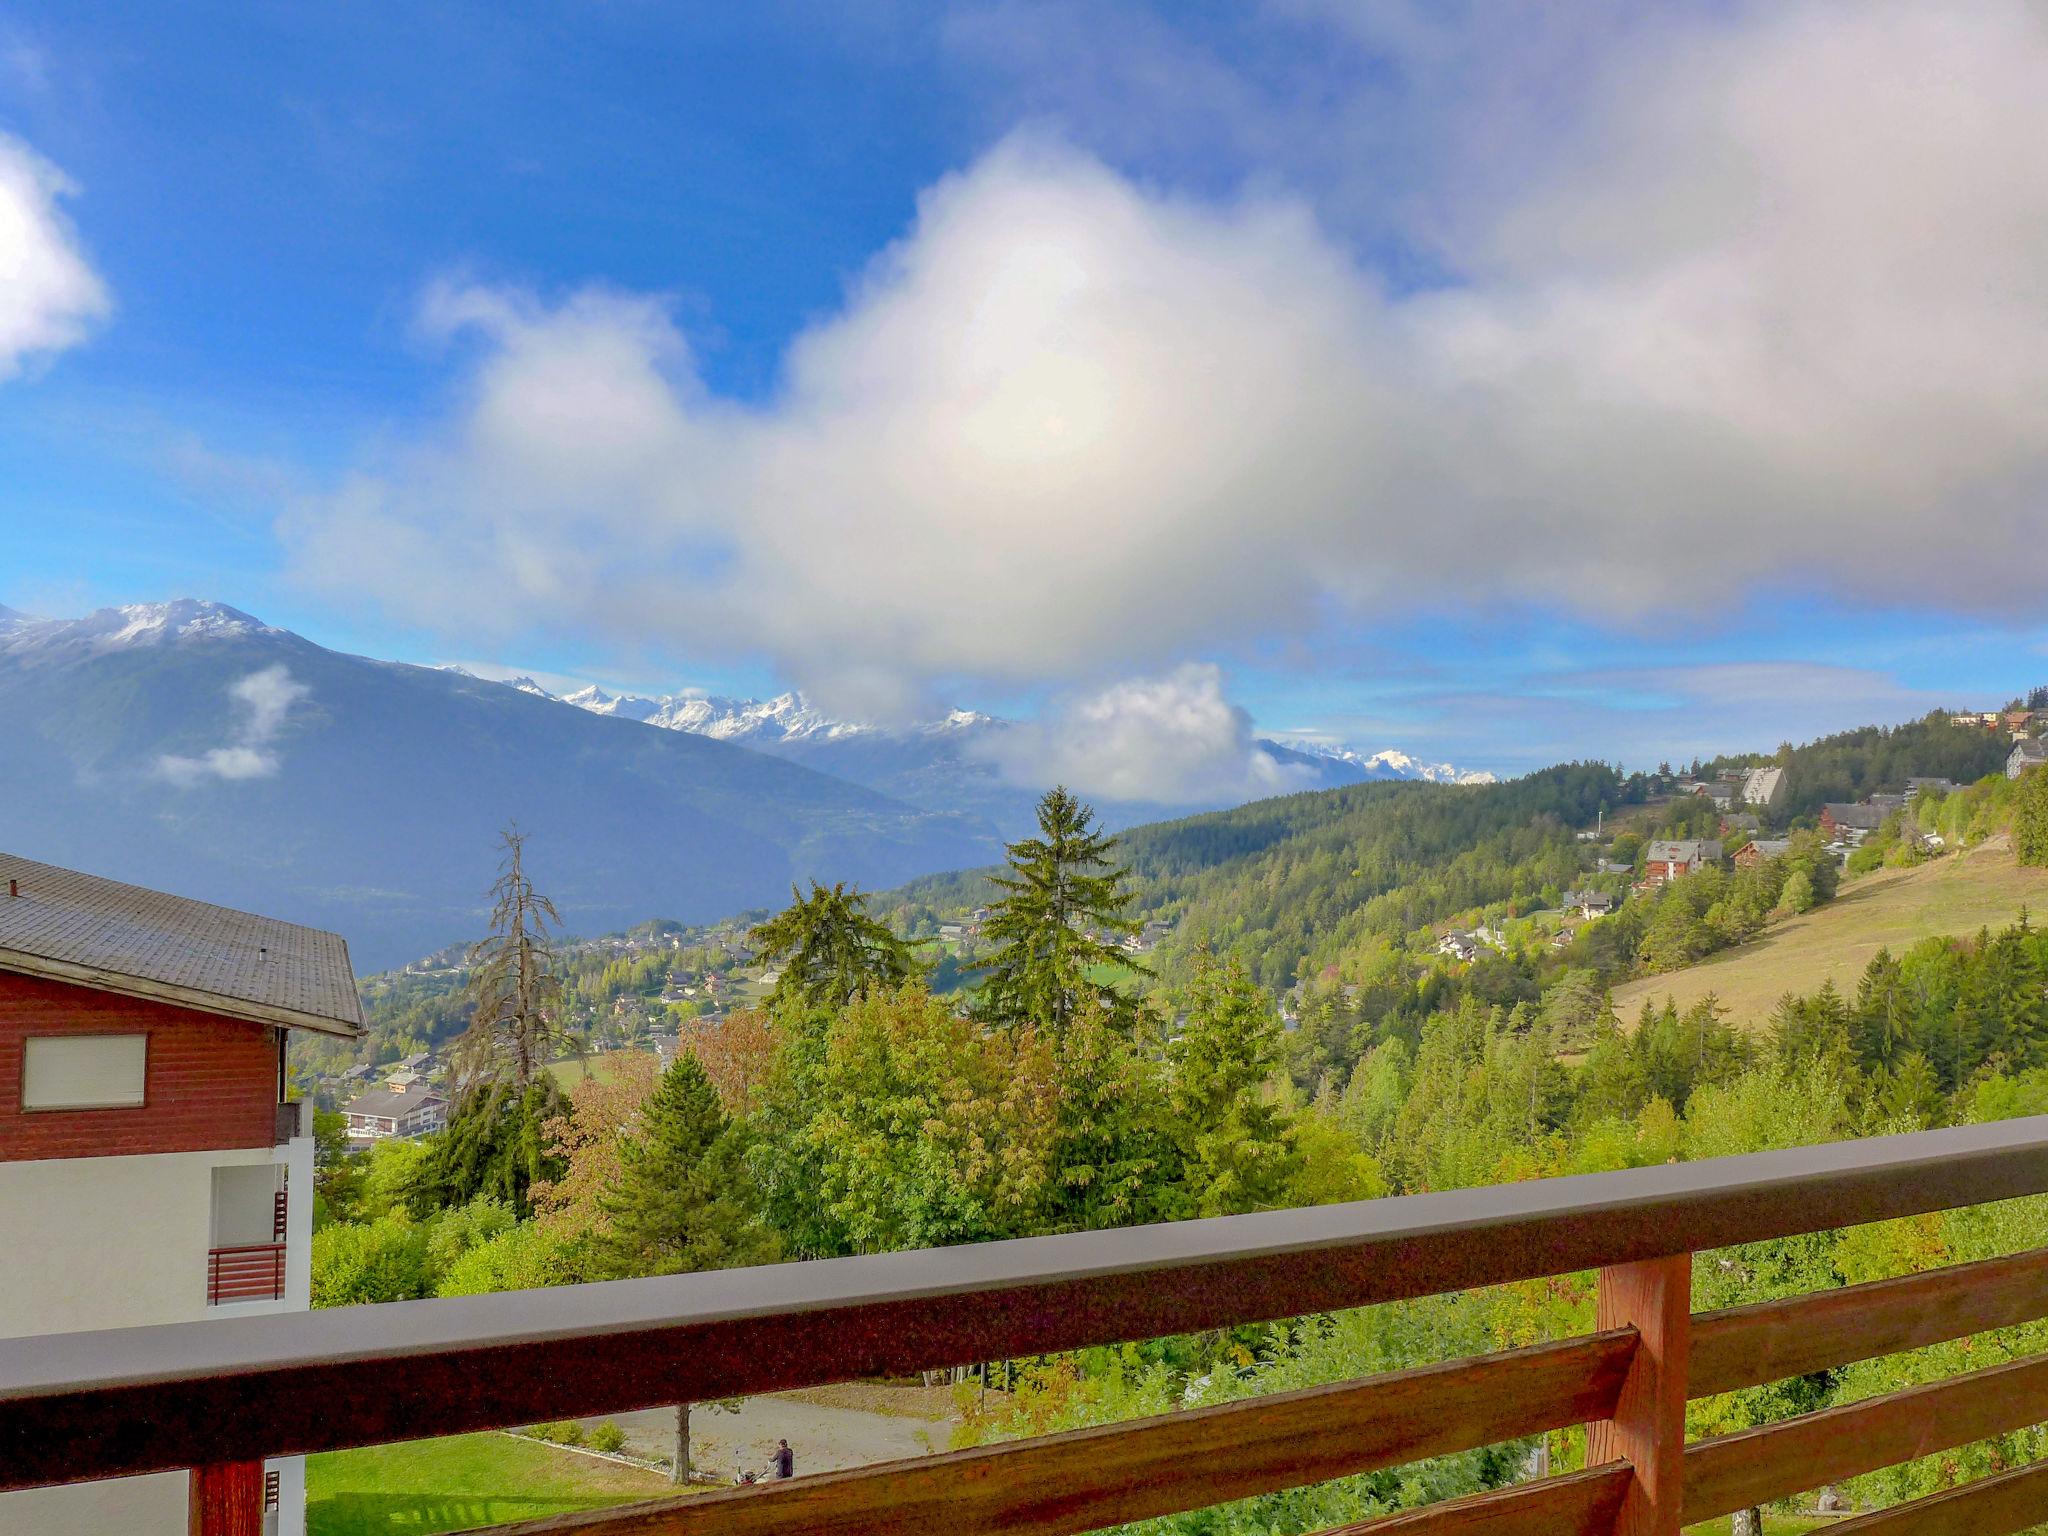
point(193, 748)
point(938, 764)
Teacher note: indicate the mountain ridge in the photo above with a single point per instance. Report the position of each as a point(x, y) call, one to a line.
point(935, 762)
point(190, 747)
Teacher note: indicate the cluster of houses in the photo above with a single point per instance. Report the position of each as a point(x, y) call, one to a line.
point(2017, 723)
point(2028, 729)
point(968, 928)
point(1731, 788)
point(1464, 944)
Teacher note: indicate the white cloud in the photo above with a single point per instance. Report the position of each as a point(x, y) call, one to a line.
point(262, 700)
point(49, 295)
point(1173, 738)
point(1773, 311)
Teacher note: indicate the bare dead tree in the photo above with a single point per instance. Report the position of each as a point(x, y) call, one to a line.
point(515, 1025)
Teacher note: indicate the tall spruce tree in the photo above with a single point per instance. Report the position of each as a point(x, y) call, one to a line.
point(681, 1202)
point(2030, 817)
point(1065, 906)
point(1235, 1154)
point(830, 950)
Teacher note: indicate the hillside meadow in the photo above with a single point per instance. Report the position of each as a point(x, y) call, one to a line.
point(1982, 887)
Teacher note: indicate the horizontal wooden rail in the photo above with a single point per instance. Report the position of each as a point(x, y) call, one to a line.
point(1749, 1346)
point(1993, 1506)
point(1058, 1485)
point(1576, 1504)
point(103, 1404)
point(1774, 1461)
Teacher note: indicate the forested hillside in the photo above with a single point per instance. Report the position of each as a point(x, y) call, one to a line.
point(1296, 879)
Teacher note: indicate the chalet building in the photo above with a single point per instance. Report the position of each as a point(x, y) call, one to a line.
point(1761, 851)
point(1926, 785)
point(1589, 903)
point(1741, 821)
point(1852, 823)
point(1725, 793)
point(395, 1109)
point(2025, 755)
point(1668, 858)
point(150, 1169)
point(1763, 788)
point(1458, 945)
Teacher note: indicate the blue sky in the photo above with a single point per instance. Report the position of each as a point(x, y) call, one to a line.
point(1499, 383)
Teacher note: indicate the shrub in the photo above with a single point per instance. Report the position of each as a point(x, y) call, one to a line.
point(558, 1432)
point(381, 1260)
point(608, 1437)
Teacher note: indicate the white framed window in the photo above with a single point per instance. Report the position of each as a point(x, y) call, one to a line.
point(84, 1071)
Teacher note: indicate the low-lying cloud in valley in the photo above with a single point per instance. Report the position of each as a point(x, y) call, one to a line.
point(1174, 738)
point(261, 702)
point(1771, 309)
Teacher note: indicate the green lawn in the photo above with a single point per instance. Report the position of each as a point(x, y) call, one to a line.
point(460, 1482)
point(604, 1068)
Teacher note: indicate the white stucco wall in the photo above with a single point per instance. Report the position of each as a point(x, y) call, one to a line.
point(121, 1242)
point(148, 1506)
point(118, 1242)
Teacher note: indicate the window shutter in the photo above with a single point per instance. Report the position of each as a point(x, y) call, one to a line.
point(84, 1071)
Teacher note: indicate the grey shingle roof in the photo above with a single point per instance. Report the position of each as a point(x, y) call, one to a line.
point(386, 1105)
point(123, 938)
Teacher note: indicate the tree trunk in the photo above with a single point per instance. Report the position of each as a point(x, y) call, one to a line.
point(679, 1465)
point(1747, 1522)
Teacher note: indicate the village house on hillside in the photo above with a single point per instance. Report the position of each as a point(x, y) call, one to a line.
point(1668, 858)
point(151, 1170)
point(2025, 755)
point(1589, 903)
point(1761, 850)
point(395, 1109)
point(1852, 823)
point(1763, 788)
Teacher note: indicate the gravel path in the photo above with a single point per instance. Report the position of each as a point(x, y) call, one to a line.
point(824, 1438)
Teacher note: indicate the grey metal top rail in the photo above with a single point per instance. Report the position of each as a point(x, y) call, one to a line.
point(80, 1406)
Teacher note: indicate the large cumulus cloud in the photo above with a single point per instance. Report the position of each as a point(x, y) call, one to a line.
point(1775, 309)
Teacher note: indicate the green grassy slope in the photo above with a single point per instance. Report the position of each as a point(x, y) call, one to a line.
point(1982, 887)
point(460, 1482)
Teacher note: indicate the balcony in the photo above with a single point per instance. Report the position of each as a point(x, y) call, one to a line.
point(247, 1272)
point(219, 1397)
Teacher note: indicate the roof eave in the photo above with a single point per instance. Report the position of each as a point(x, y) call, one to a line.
point(27, 964)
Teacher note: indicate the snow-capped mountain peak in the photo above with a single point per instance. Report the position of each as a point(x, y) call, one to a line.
point(1391, 763)
point(132, 624)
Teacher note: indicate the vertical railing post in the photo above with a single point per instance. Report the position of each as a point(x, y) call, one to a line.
point(227, 1499)
point(1648, 1428)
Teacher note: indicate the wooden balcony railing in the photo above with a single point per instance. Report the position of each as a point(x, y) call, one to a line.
point(249, 1272)
point(220, 1396)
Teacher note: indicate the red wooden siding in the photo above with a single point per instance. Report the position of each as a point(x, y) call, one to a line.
point(211, 1084)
